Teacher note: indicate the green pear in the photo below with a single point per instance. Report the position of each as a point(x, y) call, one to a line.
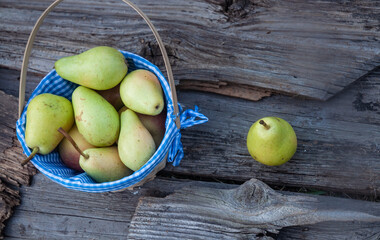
point(154, 124)
point(103, 164)
point(112, 96)
point(45, 115)
point(99, 68)
point(136, 145)
point(141, 91)
point(96, 119)
point(271, 141)
point(69, 155)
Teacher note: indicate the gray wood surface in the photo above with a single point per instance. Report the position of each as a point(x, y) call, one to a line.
point(250, 211)
point(12, 175)
point(287, 50)
point(49, 211)
point(304, 48)
point(338, 140)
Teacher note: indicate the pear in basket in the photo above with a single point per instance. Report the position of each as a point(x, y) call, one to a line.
point(99, 68)
point(101, 164)
point(96, 119)
point(112, 96)
point(141, 91)
point(154, 124)
point(136, 145)
point(69, 155)
point(45, 115)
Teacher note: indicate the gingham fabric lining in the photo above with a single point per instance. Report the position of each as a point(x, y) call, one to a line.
point(52, 167)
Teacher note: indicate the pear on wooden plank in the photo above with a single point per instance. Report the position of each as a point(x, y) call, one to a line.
point(136, 145)
point(96, 119)
point(99, 68)
point(271, 141)
point(141, 91)
point(45, 115)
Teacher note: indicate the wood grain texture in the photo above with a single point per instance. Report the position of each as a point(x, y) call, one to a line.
point(249, 211)
point(12, 175)
point(50, 211)
point(332, 231)
point(303, 48)
point(338, 140)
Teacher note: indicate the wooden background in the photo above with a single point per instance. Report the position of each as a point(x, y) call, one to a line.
point(313, 63)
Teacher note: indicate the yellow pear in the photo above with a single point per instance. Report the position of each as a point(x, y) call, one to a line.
point(96, 119)
point(69, 155)
point(103, 164)
point(271, 141)
point(141, 91)
point(99, 68)
point(45, 115)
point(136, 145)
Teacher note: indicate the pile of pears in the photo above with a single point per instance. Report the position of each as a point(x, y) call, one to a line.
point(112, 126)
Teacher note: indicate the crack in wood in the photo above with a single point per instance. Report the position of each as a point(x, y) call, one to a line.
point(225, 88)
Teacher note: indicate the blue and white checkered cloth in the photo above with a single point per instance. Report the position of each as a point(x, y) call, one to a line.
point(51, 165)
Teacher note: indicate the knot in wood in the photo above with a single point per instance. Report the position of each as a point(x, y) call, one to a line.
point(254, 194)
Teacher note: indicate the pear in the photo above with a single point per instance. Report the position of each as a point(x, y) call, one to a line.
point(112, 96)
point(45, 115)
point(103, 164)
point(154, 124)
point(96, 119)
point(99, 68)
point(136, 145)
point(141, 91)
point(271, 141)
point(69, 155)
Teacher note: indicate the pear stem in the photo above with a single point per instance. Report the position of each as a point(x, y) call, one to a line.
point(264, 124)
point(34, 152)
point(71, 140)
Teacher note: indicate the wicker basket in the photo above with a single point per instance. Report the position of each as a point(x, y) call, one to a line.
point(170, 148)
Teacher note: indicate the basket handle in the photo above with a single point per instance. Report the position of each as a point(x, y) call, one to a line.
point(32, 36)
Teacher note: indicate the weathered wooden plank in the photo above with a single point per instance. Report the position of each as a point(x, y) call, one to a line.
point(78, 215)
point(50, 211)
point(250, 211)
point(307, 48)
point(329, 231)
point(338, 140)
point(9, 198)
point(10, 149)
point(12, 174)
